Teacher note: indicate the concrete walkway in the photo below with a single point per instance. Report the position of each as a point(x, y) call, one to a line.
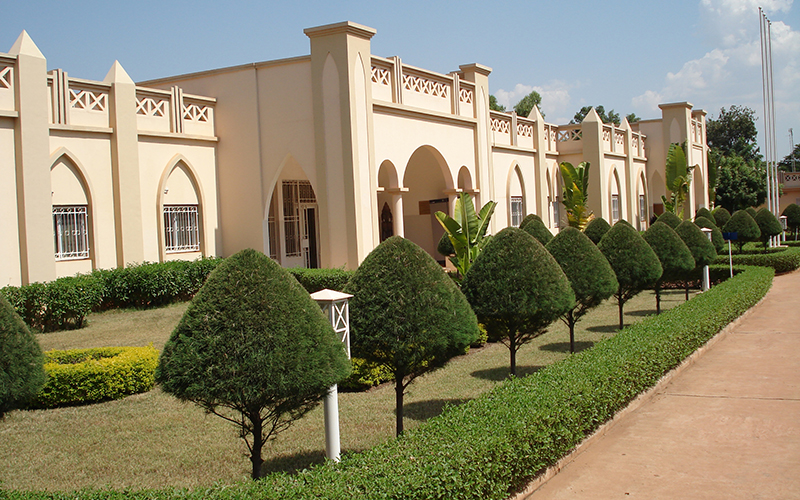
point(724, 426)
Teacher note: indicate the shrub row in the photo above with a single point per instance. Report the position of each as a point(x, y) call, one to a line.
point(492, 446)
point(315, 280)
point(81, 376)
point(58, 305)
point(781, 261)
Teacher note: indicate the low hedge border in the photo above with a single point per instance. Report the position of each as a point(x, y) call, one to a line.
point(782, 261)
point(82, 376)
point(314, 280)
point(492, 446)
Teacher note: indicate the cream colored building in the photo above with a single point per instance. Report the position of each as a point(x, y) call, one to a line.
point(313, 160)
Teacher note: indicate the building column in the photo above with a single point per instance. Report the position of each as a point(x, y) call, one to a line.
point(397, 209)
point(593, 152)
point(484, 168)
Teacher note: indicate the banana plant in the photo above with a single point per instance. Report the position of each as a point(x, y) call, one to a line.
point(575, 193)
point(467, 230)
point(678, 180)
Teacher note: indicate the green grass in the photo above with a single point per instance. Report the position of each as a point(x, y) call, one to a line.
point(153, 441)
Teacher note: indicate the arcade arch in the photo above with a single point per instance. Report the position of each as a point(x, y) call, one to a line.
point(515, 193)
point(73, 226)
point(180, 209)
point(430, 186)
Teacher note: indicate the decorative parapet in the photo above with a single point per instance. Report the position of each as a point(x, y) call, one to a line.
point(569, 138)
point(500, 125)
point(696, 134)
point(76, 102)
point(7, 100)
point(158, 111)
point(789, 180)
point(638, 144)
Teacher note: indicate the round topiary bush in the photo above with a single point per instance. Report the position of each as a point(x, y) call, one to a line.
point(669, 219)
point(589, 274)
point(675, 257)
point(792, 213)
point(721, 216)
point(768, 224)
point(445, 246)
point(752, 212)
point(596, 228)
point(407, 314)
point(536, 228)
point(745, 226)
point(82, 376)
point(633, 261)
point(716, 235)
point(703, 212)
point(21, 361)
point(527, 220)
point(516, 289)
point(702, 248)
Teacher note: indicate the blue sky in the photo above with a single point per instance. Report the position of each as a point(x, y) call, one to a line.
point(625, 55)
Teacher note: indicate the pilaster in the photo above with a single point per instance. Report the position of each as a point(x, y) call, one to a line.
point(541, 205)
point(592, 139)
point(479, 75)
point(631, 201)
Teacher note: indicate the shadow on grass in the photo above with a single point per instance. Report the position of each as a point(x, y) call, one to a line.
point(423, 410)
point(564, 346)
point(643, 312)
point(501, 372)
point(604, 328)
point(293, 463)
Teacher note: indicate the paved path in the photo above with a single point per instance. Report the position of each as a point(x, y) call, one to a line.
point(727, 426)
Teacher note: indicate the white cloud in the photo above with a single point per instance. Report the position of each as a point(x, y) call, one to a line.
point(556, 99)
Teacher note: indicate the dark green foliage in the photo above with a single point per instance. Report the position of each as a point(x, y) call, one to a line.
point(752, 211)
point(669, 219)
point(314, 280)
point(526, 104)
point(596, 228)
point(492, 446)
point(528, 218)
point(734, 132)
point(768, 224)
point(783, 261)
point(611, 117)
point(716, 235)
point(792, 213)
point(494, 105)
point(254, 349)
point(633, 261)
point(721, 216)
point(740, 183)
point(676, 258)
point(407, 314)
point(21, 361)
point(589, 274)
point(82, 376)
point(516, 289)
point(445, 246)
point(62, 304)
point(702, 249)
point(537, 229)
point(745, 226)
point(704, 212)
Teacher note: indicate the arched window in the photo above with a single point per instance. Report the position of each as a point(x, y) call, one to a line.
point(71, 234)
point(181, 213)
point(615, 208)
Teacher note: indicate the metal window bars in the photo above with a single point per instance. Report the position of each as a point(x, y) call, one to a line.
point(70, 231)
point(181, 230)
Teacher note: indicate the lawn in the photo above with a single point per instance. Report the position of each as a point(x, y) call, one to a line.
point(153, 441)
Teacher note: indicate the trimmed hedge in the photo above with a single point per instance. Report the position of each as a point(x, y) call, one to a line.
point(781, 261)
point(492, 446)
point(315, 280)
point(81, 376)
point(62, 304)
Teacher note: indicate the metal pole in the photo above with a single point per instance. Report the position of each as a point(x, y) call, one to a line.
point(706, 275)
point(730, 257)
point(333, 447)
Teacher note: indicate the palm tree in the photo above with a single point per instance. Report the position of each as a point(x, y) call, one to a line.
point(575, 193)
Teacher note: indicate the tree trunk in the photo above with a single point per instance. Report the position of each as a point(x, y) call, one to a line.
point(258, 444)
point(398, 397)
point(620, 304)
point(687, 290)
point(571, 323)
point(512, 346)
point(658, 299)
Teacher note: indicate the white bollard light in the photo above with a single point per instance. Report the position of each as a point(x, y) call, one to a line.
point(706, 276)
point(335, 307)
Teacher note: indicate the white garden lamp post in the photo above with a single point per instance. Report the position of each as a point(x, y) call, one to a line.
point(706, 276)
point(783, 219)
point(335, 307)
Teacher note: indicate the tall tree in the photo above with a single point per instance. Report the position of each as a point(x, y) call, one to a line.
point(516, 289)
point(254, 349)
point(742, 183)
point(494, 105)
point(791, 162)
point(632, 118)
point(734, 132)
point(526, 104)
point(407, 314)
point(611, 117)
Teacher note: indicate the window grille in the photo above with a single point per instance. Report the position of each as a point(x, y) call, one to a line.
point(272, 227)
point(70, 231)
point(556, 214)
point(181, 230)
point(294, 193)
point(516, 211)
point(614, 207)
point(642, 208)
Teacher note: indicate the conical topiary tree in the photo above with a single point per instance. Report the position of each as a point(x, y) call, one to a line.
point(792, 213)
point(703, 212)
point(516, 289)
point(721, 216)
point(768, 224)
point(445, 246)
point(752, 212)
point(702, 249)
point(716, 235)
point(21, 361)
point(744, 226)
point(528, 218)
point(596, 228)
point(669, 219)
point(675, 257)
point(537, 229)
point(406, 314)
point(589, 274)
point(633, 261)
point(254, 349)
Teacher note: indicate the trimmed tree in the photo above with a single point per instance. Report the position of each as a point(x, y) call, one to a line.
point(745, 227)
point(752, 212)
point(406, 314)
point(702, 249)
point(527, 220)
point(768, 224)
point(254, 349)
point(21, 361)
point(669, 219)
point(721, 216)
point(596, 228)
point(516, 289)
point(792, 213)
point(633, 261)
point(716, 235)
point(589, 274)
point(537, 229)
point(703, 212)
point(445, 247)
point(675, 257)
